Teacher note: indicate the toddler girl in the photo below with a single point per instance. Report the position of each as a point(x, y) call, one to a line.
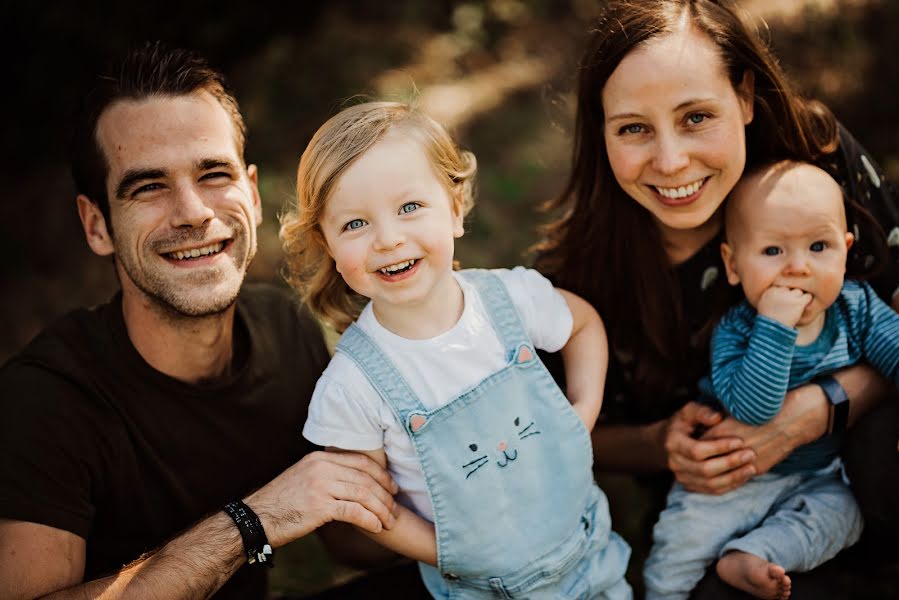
point(438, 377)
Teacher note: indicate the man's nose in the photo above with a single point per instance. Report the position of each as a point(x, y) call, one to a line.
point(670, 154)
point(191, 209)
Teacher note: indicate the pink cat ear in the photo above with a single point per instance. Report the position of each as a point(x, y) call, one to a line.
point(417, 422)
point(524, 355)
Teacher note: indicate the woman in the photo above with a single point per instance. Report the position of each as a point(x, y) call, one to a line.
point(676, 99)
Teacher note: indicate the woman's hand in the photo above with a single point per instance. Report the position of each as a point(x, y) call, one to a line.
point(802, 419)
point(714, 464)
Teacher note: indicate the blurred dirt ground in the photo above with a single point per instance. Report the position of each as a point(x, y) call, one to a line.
point(498, 72)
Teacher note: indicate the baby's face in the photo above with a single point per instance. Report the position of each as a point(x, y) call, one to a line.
point(788, 229)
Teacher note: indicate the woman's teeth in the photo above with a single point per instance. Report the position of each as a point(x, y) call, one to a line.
point(402, 266)
point(682, 191)
point(197, 252)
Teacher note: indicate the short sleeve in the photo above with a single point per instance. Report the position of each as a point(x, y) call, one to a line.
point(345, 411)
point(547, 318)
point(50, 450)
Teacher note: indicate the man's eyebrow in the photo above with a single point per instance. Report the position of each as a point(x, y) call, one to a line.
point(206, 164)
point(132, 177)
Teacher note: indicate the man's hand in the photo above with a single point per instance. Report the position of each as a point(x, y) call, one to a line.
point(324, 487)
point(784, 305)
point(710, 466)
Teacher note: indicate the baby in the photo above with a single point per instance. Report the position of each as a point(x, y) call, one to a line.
point(786, 245)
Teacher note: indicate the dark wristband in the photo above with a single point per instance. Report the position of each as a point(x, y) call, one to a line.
point(839, 402)
point(255, 542)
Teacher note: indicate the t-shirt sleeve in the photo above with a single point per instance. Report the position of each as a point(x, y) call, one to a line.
point(345, 410)
point(867, 187)
point(50, 452)
point(544, 312)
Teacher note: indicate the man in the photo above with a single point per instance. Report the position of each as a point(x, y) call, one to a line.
point(126, 428)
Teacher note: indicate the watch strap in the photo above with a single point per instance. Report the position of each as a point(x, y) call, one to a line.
point(839, 402)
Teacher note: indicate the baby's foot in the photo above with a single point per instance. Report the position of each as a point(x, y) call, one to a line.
point(754, 575)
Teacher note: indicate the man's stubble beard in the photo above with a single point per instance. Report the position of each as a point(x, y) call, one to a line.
point(172, 297)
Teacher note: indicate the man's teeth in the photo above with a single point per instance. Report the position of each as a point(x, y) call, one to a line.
point(197, 252)
point(392, 269)
point(682, 191)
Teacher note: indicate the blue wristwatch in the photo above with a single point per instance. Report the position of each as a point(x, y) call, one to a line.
point(839, 402)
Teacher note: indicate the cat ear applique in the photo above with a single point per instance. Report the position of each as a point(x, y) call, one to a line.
point(416, 422)
point(524, 354)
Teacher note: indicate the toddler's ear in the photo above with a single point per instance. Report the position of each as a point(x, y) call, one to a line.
point(458, 218)
point(727, 255)
point(850, 239)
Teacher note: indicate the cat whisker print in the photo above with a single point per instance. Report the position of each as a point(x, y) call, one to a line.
point(527, 431)
point(476, 463)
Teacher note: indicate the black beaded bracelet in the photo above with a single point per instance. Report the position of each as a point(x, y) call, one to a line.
point(259, 552)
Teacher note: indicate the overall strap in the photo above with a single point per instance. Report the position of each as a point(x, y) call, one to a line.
point(381, 372)
point(500, 308)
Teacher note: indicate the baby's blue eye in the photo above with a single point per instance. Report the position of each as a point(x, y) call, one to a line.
point(409, 207)
point(771, 251)
point(354, 224)
point(818, 247)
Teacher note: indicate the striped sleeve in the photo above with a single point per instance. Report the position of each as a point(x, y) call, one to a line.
point(878, 331)
point(751, 357)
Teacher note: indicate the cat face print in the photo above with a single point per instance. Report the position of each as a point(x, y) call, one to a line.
point(503, 453)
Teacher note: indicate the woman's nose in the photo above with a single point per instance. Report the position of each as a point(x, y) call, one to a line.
point(671, 155)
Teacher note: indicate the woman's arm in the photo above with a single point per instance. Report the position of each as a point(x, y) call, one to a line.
point(804, 416)
point(586, 359)
point(410, 535)
point(709, 466)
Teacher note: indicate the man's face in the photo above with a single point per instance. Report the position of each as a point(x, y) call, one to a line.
point(183, 208)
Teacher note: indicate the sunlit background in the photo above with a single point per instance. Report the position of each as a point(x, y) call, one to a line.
point(498, 73)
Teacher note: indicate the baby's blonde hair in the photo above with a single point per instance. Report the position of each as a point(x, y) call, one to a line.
point(335, 146)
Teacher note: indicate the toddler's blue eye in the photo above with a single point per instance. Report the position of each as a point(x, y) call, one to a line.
point(771, 251)
point(355, 224)
point(818, 247)
point(409, 207)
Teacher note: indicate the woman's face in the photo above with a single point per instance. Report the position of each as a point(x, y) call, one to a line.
point(675, 128)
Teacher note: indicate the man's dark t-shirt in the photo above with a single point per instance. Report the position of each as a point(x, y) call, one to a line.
point(95, 441)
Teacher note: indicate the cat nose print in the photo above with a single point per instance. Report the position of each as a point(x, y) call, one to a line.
point(501, 447)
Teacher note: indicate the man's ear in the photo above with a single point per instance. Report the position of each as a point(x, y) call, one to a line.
point(94, 224)
point(253, 176)
point(727, 256)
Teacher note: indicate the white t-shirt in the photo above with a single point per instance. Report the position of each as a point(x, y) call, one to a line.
point(346, 412)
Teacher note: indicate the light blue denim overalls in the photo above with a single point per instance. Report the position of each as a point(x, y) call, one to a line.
point(508, 467)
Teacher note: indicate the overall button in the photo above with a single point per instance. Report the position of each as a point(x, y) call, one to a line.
point(451, 577)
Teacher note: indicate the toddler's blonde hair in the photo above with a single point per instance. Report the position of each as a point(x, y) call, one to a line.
point(333, 149)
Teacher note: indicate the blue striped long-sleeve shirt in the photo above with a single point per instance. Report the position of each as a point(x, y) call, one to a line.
point(755, 360)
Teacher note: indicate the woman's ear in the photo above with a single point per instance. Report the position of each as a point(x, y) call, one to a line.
point(94, 224)
point(746, 95)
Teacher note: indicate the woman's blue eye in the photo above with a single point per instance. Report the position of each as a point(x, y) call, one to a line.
point(633, 128)
point(354, 224)
point(771, 251)
point(409, 207)
point(697, 118)
point(818, 247)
